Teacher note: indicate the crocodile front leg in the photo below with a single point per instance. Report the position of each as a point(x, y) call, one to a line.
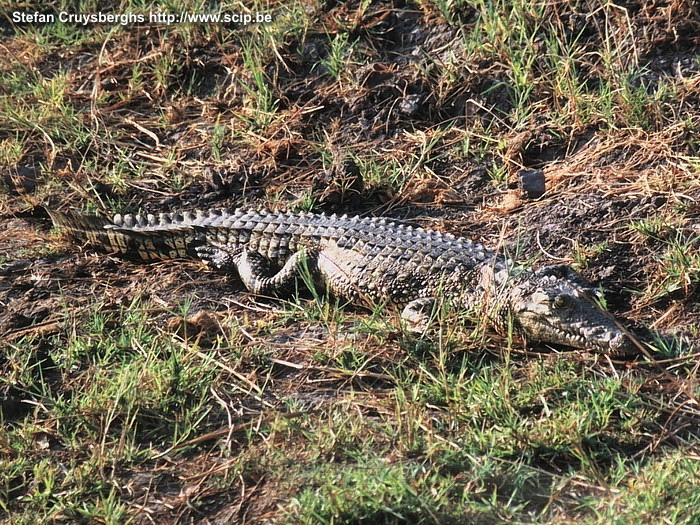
point(252, 268)
point(417, 313)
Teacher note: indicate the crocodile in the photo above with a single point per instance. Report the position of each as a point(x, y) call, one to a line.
point(367, 259)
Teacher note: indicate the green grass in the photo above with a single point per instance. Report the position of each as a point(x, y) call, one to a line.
point(339, 55)
point(451, 434)
point(119, 398)
point(678, 259)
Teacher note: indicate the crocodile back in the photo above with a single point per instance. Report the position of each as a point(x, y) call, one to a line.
point(377, 256)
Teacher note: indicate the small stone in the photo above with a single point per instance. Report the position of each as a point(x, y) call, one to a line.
point(531, 183)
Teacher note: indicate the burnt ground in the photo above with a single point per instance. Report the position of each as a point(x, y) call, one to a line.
point(414, 125)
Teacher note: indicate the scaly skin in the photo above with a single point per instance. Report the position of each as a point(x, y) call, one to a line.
point(366, 259)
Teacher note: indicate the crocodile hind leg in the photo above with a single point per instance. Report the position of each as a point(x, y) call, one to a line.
point(253, 268)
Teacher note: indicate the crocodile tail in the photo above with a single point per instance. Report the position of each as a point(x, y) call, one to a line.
point(77, 225)
point(143, 245)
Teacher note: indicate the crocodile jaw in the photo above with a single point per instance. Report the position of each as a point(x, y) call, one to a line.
point(552, 307)
point(591, 329)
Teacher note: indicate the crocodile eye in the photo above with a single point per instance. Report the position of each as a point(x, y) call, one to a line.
point(562, 301)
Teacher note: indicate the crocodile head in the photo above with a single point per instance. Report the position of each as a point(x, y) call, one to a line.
point(556, 305)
